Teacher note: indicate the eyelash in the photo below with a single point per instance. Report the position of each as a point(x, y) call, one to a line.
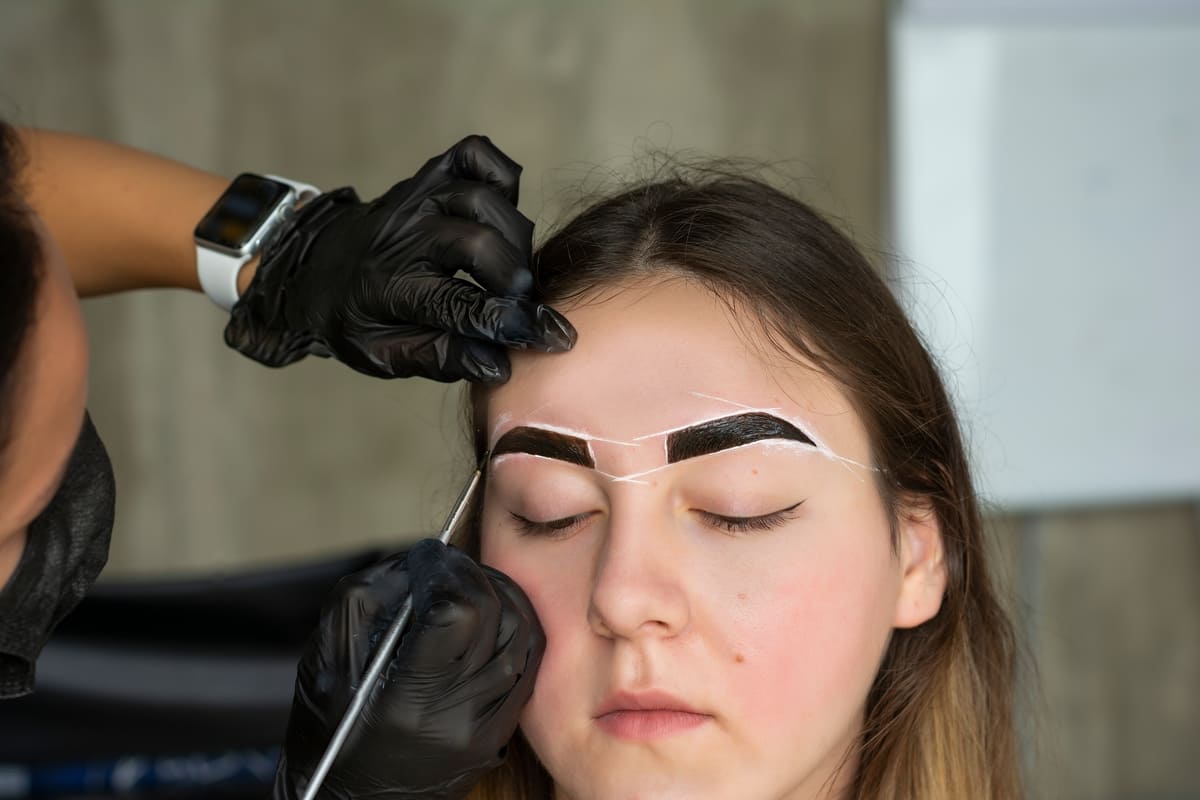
point(552, 529)
point(555, 528)
point(764, 522)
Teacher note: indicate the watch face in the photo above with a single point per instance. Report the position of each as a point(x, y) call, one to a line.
point(241, 211)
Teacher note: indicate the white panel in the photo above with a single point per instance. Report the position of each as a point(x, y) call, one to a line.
point(1047, 211)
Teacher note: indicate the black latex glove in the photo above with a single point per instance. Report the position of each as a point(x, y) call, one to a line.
point(448, 702)
point(373, 283)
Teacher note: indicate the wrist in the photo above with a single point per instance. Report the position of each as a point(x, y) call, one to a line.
point(250, 268)
point(246, 274)
point(231, 236)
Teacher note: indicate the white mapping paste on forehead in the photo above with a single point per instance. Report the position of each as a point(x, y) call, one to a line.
point(505, 423)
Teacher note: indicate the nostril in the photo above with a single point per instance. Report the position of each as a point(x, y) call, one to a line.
point(628, 610)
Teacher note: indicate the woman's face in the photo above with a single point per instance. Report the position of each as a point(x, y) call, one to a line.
point(693, 516)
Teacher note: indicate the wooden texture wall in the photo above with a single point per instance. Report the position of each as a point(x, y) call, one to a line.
point(223, 465)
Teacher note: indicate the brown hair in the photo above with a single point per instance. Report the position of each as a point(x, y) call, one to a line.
point(939, 721)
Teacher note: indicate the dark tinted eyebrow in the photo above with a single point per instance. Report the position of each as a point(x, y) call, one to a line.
point(549, 444)
point(728, 432)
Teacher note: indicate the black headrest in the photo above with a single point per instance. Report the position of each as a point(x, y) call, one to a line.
point(169, 667)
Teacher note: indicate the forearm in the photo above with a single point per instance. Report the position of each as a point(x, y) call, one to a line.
point(123, 217)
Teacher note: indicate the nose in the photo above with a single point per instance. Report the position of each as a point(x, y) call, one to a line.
point(638, 588)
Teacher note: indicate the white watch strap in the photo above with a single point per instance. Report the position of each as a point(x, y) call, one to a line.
point(218, 272)
point(304, 191)
point(218, 275)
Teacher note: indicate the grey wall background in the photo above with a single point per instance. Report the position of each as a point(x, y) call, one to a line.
point(223, 465)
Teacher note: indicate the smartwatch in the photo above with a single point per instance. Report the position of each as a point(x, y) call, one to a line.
point(236, 227)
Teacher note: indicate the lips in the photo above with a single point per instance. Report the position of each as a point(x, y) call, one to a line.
point(647, 715)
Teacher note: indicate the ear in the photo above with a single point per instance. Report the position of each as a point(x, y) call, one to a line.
point(922, 559)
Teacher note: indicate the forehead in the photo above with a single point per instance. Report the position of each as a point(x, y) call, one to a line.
point(653, 358)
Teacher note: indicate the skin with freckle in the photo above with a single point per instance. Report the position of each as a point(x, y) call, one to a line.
point(772, 636)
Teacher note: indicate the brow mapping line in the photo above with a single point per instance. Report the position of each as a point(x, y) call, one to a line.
point(636, 477)
point(630, 478)
point(799, 423)
point(720, 415)
point(724, 400)
point(500, 432)
point(774, 444)
point(817, 447)
point(578, 434)
point(818, 444)
point(847, 463)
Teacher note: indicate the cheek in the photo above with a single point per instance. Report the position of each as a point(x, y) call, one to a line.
point(813, 634)
point(560, 599)
point(556, 593)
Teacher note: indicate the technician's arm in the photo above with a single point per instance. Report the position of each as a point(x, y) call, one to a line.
point(371, 283)
point(123, 218)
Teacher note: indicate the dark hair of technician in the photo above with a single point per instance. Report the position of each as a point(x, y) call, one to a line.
point(939, 718)
point(20, 273)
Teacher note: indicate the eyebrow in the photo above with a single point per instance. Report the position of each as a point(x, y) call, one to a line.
point(548, 444)
point(691, 442)
point(729, 432)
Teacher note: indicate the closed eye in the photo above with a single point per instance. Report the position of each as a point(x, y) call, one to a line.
point(764, 522)
point(553, 528)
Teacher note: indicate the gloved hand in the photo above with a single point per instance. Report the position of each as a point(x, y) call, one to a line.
point(447, 703)
point(373, 283)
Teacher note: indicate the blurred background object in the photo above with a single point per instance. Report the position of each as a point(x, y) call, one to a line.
point(1044, 180)
point(1045, 158)
point(224, 466)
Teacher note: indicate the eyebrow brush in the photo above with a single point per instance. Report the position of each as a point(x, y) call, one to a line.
point(386, 648)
